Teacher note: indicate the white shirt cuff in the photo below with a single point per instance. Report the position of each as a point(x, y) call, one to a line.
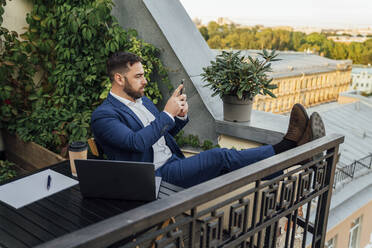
point(169, 115)
point(182, 118)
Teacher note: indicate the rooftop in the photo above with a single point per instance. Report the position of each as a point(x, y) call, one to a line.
point(357, 70)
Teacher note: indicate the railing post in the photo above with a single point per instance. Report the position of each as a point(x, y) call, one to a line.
point(192, 229)
point(321, 218)
point(337, 173)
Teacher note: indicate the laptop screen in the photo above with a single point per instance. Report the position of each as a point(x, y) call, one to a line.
point(126, 180)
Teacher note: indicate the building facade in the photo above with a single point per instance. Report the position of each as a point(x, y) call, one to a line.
point(347, 39)
point(354, 232)
point(305, 78)
point(308, 90)
point(362, 79)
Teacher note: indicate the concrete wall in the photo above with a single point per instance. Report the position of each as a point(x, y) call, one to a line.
point(15, 15)
point(166, 25)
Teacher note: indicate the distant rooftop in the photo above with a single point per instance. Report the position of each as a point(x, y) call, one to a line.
point(357, 70)
point(299, 63)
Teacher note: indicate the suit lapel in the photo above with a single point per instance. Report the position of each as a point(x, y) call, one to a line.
point(123, 107)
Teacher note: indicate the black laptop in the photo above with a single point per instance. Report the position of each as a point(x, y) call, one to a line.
point(117, 179)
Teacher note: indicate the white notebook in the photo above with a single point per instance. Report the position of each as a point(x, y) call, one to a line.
point(32, 188)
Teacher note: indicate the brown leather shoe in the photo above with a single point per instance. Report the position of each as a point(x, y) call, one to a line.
point(317, 126)
point(297, 123)
point(307, 136)
point(314, 129)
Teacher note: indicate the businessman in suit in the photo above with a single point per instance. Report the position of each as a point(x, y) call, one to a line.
point(129, 127)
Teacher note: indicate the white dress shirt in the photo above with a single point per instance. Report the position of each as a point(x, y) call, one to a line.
point(161, 151)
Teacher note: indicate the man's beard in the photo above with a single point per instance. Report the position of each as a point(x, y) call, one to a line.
point(130, 91)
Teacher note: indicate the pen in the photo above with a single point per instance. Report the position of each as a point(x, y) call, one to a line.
point(49, 181)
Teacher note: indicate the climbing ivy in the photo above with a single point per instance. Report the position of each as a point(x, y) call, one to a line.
point(16, 72)
point(67, 43)
point(53, 76)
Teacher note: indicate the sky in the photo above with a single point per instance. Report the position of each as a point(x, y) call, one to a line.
point(297, 13)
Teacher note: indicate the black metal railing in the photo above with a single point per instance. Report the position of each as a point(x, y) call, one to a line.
point(239, 209)
point(345, 173)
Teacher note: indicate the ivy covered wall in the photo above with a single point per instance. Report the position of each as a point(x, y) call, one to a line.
point(68, 43)
point(53, 74)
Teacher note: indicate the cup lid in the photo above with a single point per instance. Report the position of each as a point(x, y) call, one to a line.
point(78, 146)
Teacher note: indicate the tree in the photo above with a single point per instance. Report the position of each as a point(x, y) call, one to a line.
point(204, 32)
point(215, 42)
point(231, 41)
point(247, 40)
point(297, 39)
point(213, 29)
point(258, 37)
point(264, 38)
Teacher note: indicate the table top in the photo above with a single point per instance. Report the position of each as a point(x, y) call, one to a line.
point(61, 213)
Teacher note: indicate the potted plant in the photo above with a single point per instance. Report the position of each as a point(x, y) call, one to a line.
point(238, 79)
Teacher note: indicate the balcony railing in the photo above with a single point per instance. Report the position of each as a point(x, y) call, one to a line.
point(239, 209)
point(346, 173)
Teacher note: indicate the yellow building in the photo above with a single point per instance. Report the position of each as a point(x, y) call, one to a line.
point(303, 78)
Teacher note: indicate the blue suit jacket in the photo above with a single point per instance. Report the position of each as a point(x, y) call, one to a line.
point(122, 136)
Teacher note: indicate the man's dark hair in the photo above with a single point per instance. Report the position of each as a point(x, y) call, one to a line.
point(119, 61)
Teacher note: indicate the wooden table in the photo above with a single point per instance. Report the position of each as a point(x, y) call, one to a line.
point(61, 213)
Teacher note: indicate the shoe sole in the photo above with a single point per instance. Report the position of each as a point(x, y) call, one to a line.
point(317, 129)
point(317, 126)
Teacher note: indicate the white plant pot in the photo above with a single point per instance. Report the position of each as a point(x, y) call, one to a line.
point(237, 110)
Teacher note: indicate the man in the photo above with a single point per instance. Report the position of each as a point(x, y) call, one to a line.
point(129, 127)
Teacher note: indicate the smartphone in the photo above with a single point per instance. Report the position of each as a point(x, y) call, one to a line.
point(182, 81)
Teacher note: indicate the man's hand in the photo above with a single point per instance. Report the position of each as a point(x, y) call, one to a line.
point(174, 104)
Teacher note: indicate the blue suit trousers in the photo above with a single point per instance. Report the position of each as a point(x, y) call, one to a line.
point(187, 172)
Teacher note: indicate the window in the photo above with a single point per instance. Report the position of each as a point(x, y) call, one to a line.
point(331, 243)
point(354, 233)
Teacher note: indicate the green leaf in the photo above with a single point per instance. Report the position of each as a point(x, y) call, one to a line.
point(32, 97)
point(36, 18)
point(74, 27)
point(8, 88)
point(14, 111)
point(88, 34)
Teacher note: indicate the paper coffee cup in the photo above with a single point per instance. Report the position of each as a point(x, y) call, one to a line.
point(77, 150)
